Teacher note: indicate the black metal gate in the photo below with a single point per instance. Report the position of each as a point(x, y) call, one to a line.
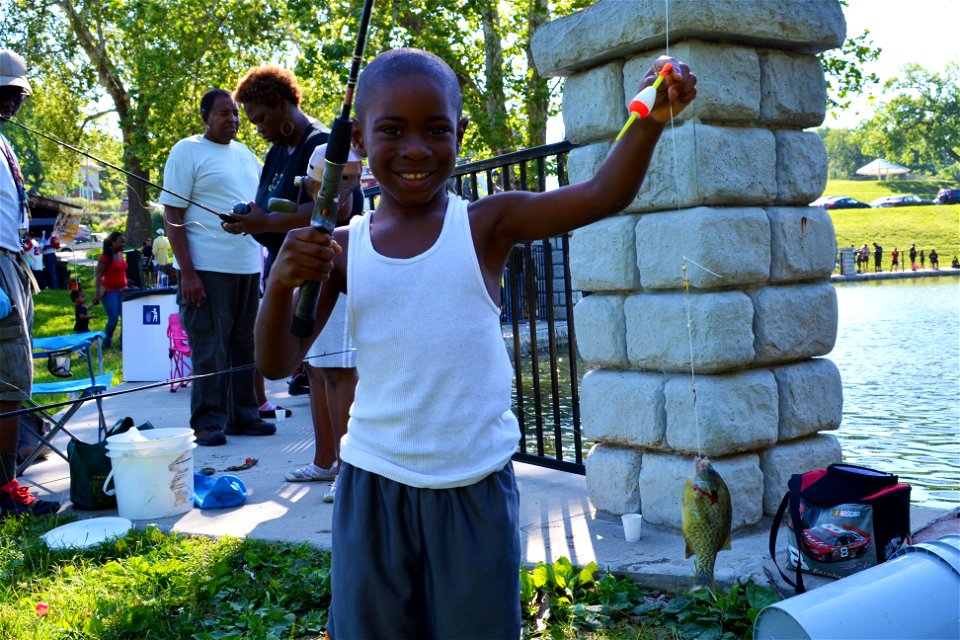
point(537, 302)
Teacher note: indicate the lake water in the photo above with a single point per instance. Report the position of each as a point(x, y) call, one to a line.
point(898, 351)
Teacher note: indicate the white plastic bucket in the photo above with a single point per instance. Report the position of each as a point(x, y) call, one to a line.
point(153, 477)
point(915, 594)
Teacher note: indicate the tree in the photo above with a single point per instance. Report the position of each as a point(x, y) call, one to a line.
point(920, 125)
point(843, 152)
point(150, 62)
point(843, 71)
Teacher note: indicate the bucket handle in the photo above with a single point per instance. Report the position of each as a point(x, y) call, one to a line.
point(113, 467)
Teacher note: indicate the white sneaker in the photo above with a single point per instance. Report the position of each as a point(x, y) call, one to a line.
point(331, 492)
point(313, 473)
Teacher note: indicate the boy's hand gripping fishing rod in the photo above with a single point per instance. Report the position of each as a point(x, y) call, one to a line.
point(324, 216)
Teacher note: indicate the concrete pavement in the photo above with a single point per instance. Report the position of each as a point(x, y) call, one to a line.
point(557, 518)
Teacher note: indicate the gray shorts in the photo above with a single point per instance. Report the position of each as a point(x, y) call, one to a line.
point(16, 359)
point(425, 563)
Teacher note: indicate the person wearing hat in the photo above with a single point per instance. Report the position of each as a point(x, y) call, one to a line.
point(161, 254)
point(331, 362)
point(16, 302)
point(219, 284)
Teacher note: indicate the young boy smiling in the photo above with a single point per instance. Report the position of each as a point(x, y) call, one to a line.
point(426, 541)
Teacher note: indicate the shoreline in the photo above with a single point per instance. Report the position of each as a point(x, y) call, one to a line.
point(897, 275)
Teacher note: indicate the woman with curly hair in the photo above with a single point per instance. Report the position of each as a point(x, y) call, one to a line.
point(270, 97)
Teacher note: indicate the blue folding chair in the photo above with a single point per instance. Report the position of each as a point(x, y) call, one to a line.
point(93, 382)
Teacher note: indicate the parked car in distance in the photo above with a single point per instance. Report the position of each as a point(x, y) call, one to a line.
point(948, 196)
point(839, 202)
point(903, 200)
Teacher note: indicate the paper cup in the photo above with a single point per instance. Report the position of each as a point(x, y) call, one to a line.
point(280, 415)
point(631, 526)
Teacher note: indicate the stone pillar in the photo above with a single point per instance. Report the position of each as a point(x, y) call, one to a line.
point(728, 189)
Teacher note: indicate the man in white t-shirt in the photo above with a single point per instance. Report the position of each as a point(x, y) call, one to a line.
point(218, 285)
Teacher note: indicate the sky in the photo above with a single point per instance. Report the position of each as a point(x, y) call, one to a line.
point(921, 31)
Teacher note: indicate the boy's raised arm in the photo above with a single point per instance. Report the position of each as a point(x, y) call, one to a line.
point(306, 255)
point(522, 216)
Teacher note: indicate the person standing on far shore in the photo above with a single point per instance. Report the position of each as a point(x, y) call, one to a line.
point(923, 260)
point(894, 259)
point(913, 257)
point(877, 258)
point(934, 260)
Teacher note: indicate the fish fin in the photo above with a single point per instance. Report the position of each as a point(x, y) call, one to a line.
point(726, 543)
point(687, 552)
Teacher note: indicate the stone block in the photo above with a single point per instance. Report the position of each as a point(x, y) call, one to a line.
point(663, 477)
point(612, 29)
point(612, 474)
point(603, 255)
point(583, 162)
point(593, 105)
point(784, 459)
point(801, 167)
point(623, 407)
point(793, 89)
point(718, 99)
point(810, 398)
point(791, 322)
point(803, 245)
point(601, 331)
point(720, 325)
point(673, 175)
point(701, 164)
point(734, 413)
point(733, 243)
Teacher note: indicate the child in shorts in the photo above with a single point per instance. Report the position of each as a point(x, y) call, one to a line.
point(425, 527)
point(81, 315)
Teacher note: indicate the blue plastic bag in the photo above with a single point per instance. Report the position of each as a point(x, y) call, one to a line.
point(5, 306)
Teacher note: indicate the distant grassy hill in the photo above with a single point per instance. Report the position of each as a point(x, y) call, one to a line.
point(928, 226)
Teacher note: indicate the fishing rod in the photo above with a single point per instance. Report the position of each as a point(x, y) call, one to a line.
point(220, 215)
point(324, 216)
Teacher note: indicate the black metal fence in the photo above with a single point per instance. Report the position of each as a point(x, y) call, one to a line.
point(537, 302)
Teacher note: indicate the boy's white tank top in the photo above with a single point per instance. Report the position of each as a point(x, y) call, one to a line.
point(432, 407)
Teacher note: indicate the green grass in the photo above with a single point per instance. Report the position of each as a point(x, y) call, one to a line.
point(928, 227)
point(168, 586)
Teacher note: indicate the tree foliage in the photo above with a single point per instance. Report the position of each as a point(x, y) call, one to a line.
point(919, 126)
point(844, 152)
point(149, 62)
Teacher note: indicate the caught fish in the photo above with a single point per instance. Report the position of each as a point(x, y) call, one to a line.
point(706, 519)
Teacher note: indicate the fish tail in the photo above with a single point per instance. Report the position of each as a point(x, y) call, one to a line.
point(703, 569)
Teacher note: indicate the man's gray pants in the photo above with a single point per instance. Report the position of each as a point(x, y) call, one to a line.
point(221, 337)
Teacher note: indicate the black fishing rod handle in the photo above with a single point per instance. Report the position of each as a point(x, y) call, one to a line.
point(305, 315)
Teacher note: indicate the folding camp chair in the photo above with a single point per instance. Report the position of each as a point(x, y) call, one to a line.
point(90, 383)
point(180, 364)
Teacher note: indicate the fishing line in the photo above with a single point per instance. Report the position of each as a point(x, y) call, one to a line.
point(112, 166)
point(153, 385)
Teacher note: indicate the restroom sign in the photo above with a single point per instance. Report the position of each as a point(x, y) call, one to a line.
point(151, 314)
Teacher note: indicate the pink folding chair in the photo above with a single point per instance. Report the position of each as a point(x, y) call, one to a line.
point(180, 366)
